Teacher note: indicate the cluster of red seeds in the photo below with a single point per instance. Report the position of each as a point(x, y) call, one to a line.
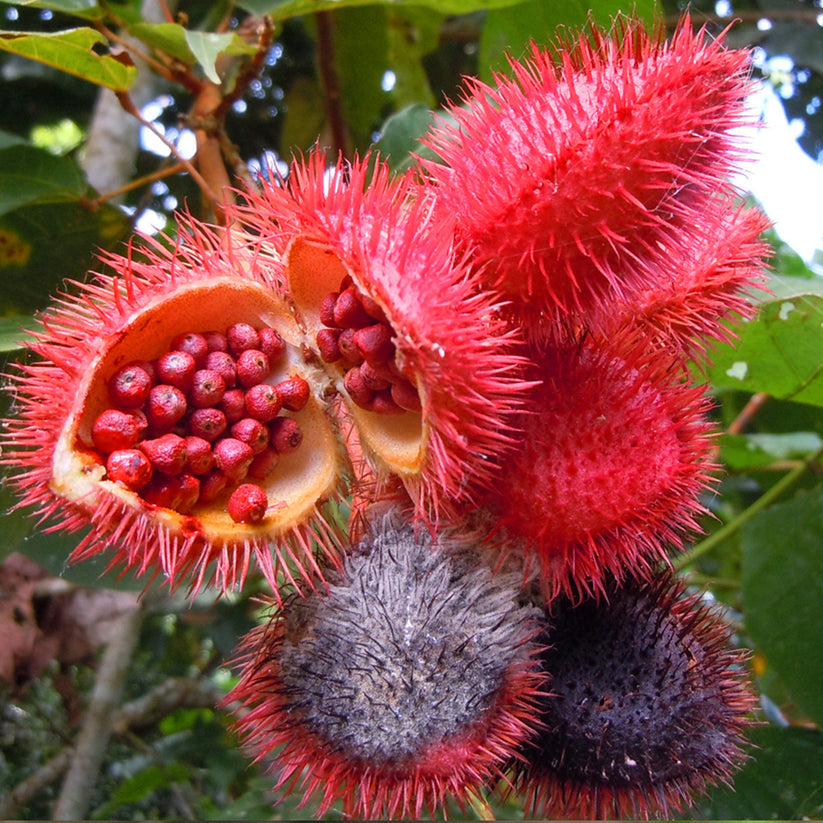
point(357, 336)
point(200, 419)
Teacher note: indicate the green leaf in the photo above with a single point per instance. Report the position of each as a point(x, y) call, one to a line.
point(400, 135)
point(782, 781)
point(509, 32)
point(46, 243)
point(72, 52)
point(783, 590)
point(778, 353)
point(29, 175)
point(13, 331)
point(169, 38)
point(76, 8)
point(284, 9)
point(361, 69)
point(208, 46)
point(746, 451)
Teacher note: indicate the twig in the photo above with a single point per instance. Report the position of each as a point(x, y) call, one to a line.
point(160, 174)
point(733, 526)
point(90, 749)
point(128, 105)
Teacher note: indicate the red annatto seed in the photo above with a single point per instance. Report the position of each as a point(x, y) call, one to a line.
point(212, 485)
point(248, 504)
point(351, 354)
point(216, 341)
point(241, 337)
point(115, 429)
point(130, 467)
point(263, 402)
point(294, 393)
point(207, 388)
point(285, 435)
point(405, 395)
point(382, 403)
point(327, 345)
point(264, 463)
point(271, 344)
point(233, 405)
point(130, 386)
point(373, 308)
point(372, 379)
point(223, 362)
point(176, 368)
point(207, 424)
point(375, 342)
point(349, 312)
point(179, 493)
point(165, 406)
point(189, 491)
point(200, 457)
point(359, 392)
point(252, 432)
point(193, 343)
point(167, 453)
point(148, 368)
point(327, 309)
point(252, 368)
point(233, 458)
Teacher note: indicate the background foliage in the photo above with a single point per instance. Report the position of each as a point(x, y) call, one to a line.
point(346, 73)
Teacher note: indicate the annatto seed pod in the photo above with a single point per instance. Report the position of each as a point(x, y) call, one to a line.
point(408, 682)
point(646, 707)
point(377, 286)
point(709, 282)
point(614, 455)
point(575, 180)
point(209, 282)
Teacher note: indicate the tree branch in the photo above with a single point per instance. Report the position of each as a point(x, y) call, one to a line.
point(90, 749)
point(144, 712)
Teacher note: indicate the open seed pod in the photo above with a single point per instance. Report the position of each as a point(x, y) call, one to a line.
point(421, 359)
point(172, 411)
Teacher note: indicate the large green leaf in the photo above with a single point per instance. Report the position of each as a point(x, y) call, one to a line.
point(73, 52)
point(782, 781)
point(509, 31)
point(13, 331)
point(747, 451)
point(29, 175)
point(783, 593)
point(78, 8)
point(48, 243)
point(169, 38)
point(780, 352)
point(284, 9)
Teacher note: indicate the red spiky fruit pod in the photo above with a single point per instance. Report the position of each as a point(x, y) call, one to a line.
point(409, 682)
point(614, 454)
point(576, 179)
point(425, 366)
point(122, 423)
point(707, 284)
point(647, 705)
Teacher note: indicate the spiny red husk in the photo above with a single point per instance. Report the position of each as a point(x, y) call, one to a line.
point(59, 475)
point(614, 454)
point(706, 285)
point(576, 180)
point(647, 708)
point(409, 682)
point(449, 339)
